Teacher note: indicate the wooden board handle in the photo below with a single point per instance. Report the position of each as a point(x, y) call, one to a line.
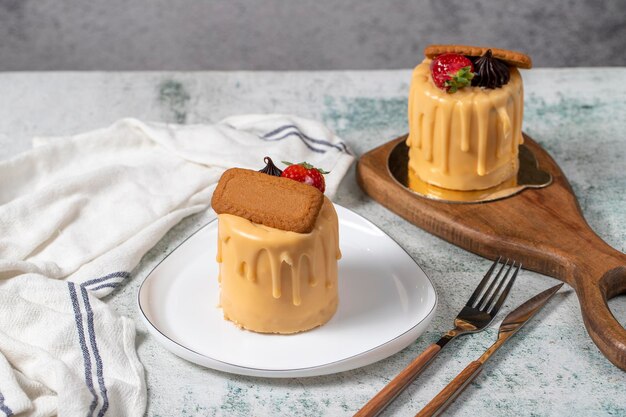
point(386, 395)
point(596, 283)
point(450, 392)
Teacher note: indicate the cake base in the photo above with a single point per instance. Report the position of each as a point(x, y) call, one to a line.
point(528, 176)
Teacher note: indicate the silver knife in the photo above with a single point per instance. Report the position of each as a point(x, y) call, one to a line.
point(510, 325)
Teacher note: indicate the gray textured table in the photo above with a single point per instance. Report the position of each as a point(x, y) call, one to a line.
point(550, 369)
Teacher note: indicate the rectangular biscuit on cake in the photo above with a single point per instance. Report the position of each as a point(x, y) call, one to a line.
point(276, 202)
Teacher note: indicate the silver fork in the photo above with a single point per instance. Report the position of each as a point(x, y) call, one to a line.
point(479, 311)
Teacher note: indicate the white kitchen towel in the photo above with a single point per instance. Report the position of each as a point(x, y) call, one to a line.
point(77, 214)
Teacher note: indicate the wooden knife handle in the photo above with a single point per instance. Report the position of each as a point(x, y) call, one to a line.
point(450, 392)
point(399, 383)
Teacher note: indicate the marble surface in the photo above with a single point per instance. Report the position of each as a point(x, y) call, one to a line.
point(551, 368)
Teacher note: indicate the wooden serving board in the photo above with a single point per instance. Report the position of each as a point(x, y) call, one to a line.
point(544, 229)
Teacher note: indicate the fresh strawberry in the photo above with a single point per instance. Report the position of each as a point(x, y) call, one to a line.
point(305, 173)
point(451, 72)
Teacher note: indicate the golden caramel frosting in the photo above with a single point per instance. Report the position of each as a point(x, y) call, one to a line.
point(277, 281)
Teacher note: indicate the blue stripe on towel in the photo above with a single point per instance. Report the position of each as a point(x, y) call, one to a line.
point(278, 130)
point(341, 146)
point(78, 317)
point(96, 353)
point(109, 285)
point(120, 274)
point(314, 149)
point(5, 408)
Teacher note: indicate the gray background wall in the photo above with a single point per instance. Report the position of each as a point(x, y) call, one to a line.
point(311, 34)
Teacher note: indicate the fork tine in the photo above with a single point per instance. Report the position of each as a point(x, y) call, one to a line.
point(483, 283)
point(495, 308)
point(488, 295)
point(494, 296)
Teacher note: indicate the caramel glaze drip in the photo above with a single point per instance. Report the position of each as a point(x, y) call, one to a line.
point(490, 72)
point(309, 256)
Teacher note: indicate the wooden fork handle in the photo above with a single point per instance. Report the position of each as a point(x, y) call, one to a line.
point(450, 392)
point(399, 383)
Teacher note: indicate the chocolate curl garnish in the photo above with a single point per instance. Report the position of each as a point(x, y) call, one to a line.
point(270, 168)
point(490, 72)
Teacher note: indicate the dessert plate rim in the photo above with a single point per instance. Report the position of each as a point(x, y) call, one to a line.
point(355, 361)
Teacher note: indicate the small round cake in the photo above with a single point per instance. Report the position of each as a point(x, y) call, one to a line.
point(278, 247)
point(277, 281)
point(465, 126)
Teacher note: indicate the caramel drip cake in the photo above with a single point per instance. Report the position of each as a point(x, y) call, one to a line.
point(465, 116)
point(278, 247)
